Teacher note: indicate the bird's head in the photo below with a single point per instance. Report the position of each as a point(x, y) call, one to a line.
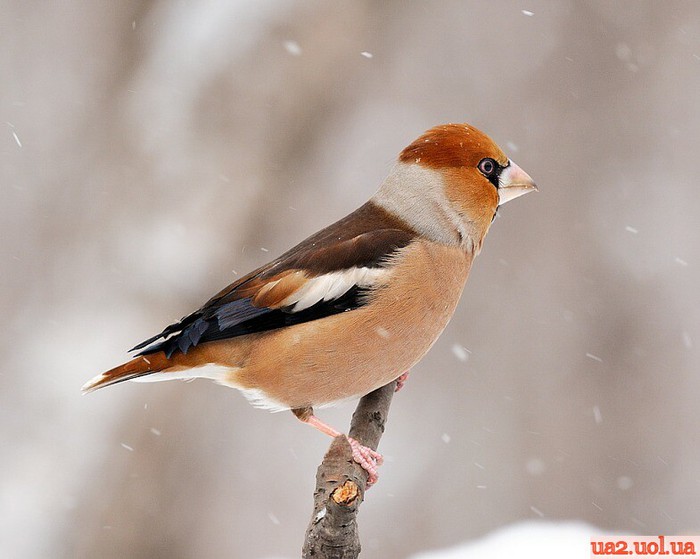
point(449, 183)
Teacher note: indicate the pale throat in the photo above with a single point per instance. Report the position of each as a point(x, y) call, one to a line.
point(417, 196)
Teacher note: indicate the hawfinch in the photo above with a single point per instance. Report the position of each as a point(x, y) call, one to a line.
point(356, 305)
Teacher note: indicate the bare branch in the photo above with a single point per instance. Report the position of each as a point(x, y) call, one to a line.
point(341, 483)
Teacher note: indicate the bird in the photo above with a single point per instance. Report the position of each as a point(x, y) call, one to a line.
point(354, 306)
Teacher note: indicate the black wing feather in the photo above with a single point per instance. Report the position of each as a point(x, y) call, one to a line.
point(257, 319)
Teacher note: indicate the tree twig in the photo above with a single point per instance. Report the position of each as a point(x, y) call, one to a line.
point(341, 483)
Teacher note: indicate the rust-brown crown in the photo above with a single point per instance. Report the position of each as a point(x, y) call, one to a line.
point(452, 145)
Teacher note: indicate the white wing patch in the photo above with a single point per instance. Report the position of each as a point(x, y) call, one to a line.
point(333, 285)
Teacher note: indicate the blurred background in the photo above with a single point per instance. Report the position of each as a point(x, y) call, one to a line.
point(151, 151)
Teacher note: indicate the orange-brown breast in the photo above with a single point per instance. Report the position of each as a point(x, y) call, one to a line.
point(350, 354)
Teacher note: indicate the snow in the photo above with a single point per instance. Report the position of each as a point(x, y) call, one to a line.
point(382, 332)
point(687, 340)
point(533, 539)
point(624, 483)
point(461, 353)
point(525, 540)
point(623, 51)
point(293, 48)
point(597, 415)
point(535, 466)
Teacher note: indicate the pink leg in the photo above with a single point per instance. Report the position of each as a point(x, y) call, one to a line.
point(369, 459)
point(401, 381)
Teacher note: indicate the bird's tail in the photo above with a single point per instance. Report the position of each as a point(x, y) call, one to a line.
point(137, 367)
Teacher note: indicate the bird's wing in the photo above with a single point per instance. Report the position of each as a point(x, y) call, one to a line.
point(324, 275)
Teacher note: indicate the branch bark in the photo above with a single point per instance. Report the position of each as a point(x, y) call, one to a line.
point(341, 483)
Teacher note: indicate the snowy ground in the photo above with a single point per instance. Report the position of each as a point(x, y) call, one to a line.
point(524, 540)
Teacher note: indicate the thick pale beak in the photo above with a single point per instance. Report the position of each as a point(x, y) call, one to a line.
point(514, 182)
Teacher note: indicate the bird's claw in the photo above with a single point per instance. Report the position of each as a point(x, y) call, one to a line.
point(368, 459)
point(401, 381)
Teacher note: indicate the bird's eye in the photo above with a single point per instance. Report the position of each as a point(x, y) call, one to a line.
point(487, 166)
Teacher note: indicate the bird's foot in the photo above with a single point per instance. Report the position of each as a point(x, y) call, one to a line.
point(368, 459)
point(401, 381)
